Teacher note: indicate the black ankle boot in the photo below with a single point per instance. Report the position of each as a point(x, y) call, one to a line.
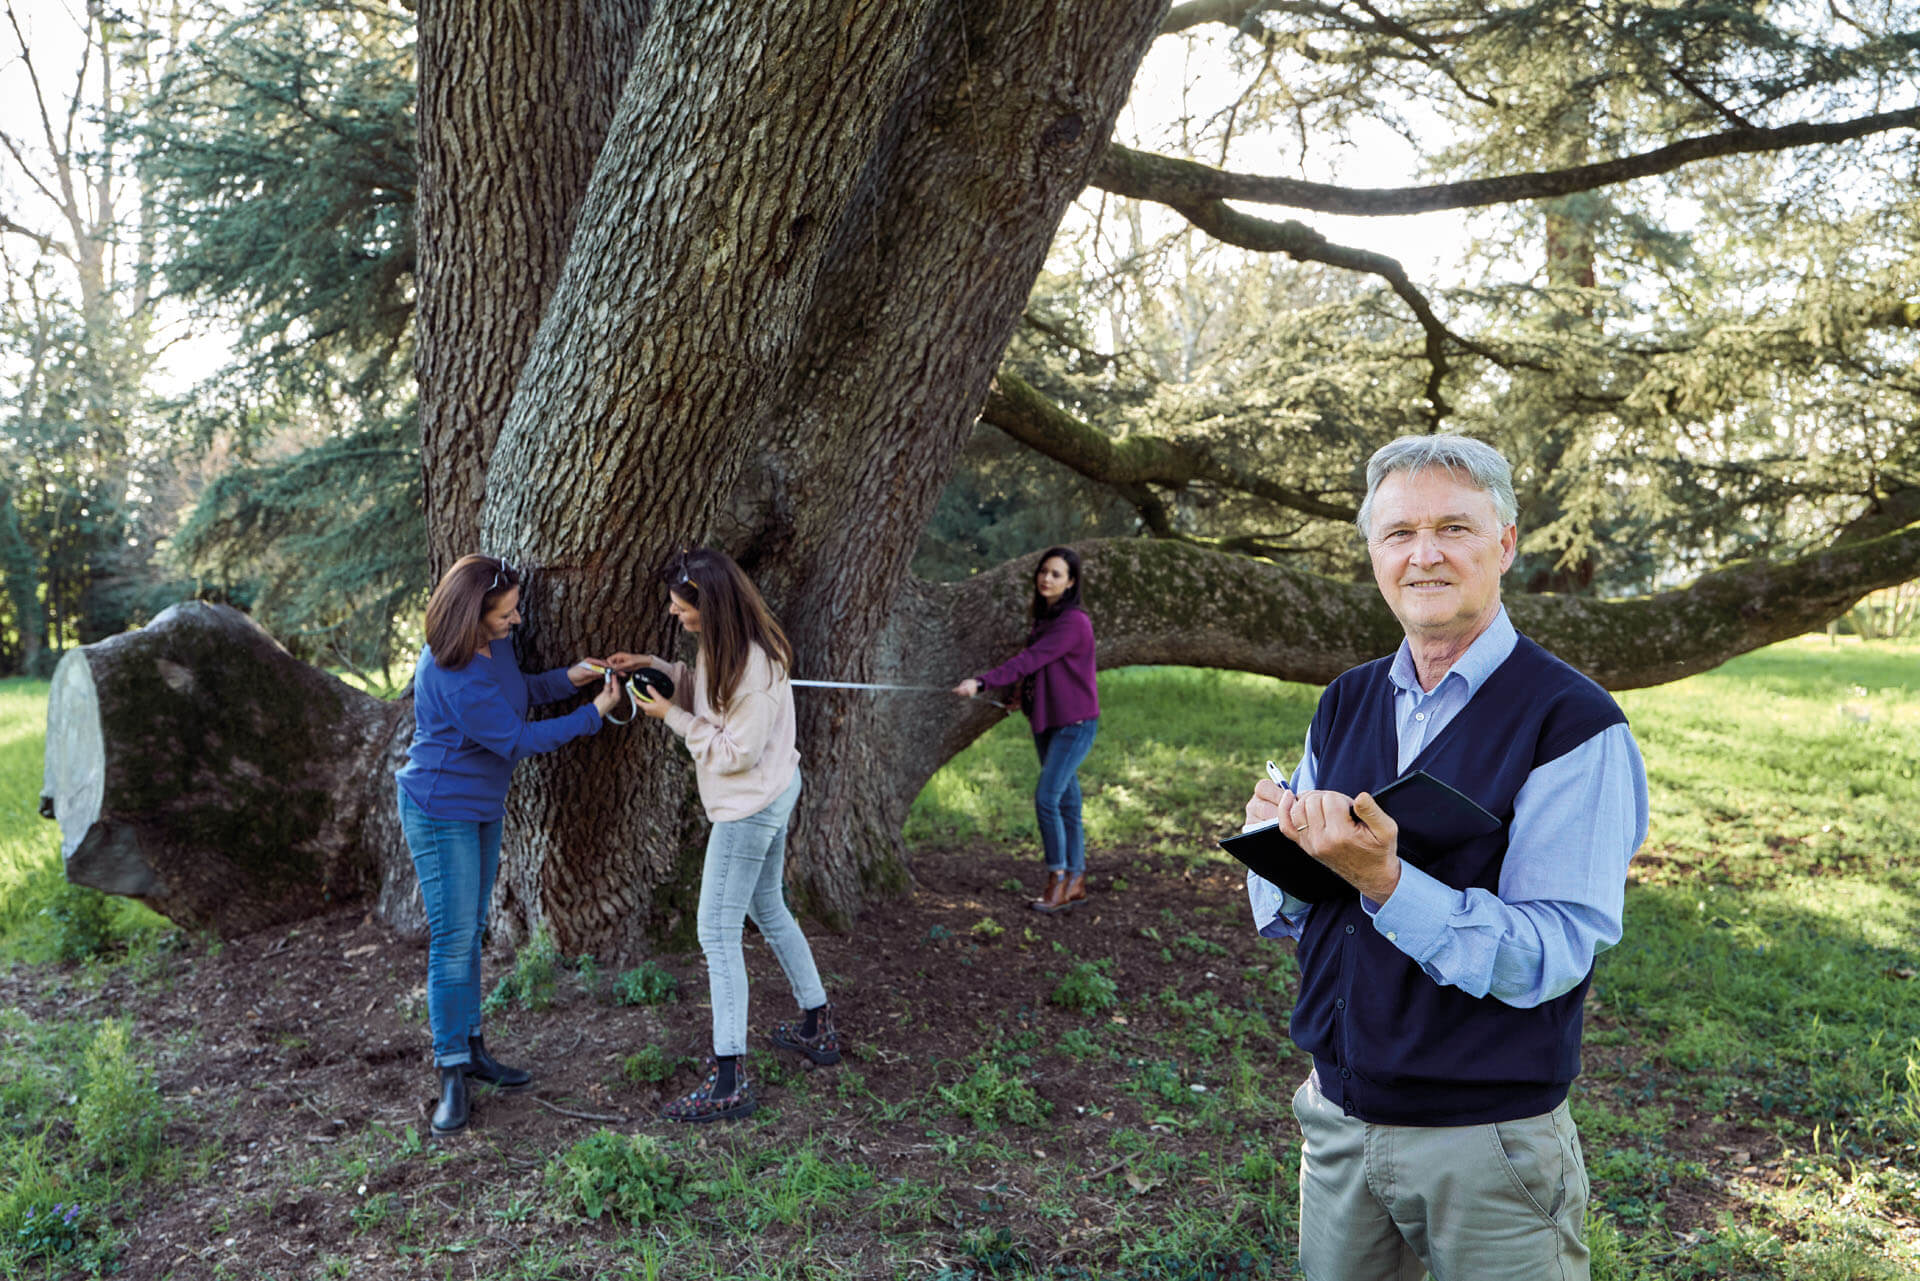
point(484, 1067)
point(451, 1115)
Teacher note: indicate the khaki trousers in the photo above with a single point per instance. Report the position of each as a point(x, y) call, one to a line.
point(1503, 1201)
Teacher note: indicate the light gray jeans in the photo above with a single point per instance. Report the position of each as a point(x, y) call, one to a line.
point(1502, 1201)
point(745, 875)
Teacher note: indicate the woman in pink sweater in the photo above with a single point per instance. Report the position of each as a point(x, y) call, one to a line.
point(734, 712)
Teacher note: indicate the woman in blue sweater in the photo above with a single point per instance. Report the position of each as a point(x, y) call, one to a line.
point(470, 725)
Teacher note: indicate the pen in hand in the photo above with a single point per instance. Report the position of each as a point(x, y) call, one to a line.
point(1280, 781)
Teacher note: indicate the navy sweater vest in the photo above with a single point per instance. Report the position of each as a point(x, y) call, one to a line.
point(1389, 1043)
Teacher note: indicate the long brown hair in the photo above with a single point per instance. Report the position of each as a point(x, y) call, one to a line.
point(459, 601)
point(733, 618)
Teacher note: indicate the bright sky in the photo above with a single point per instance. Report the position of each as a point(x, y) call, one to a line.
point(1192, 76)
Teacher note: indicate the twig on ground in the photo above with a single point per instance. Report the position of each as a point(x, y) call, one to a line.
point(583, 1116)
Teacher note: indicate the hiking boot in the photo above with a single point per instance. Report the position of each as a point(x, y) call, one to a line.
point(1056, 899)
point(484, 1067)
point(701, 1105)
point(823, 1047)
point(451, 1114)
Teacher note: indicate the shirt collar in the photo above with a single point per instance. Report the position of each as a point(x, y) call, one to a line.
point(1490, 649)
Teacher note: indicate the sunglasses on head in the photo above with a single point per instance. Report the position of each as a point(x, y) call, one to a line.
point(504, 575)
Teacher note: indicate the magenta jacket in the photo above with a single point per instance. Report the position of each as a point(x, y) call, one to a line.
point(1059, 657)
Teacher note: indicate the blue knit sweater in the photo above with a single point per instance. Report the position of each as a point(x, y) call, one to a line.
point(470, 726)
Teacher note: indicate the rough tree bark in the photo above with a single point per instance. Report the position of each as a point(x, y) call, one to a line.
point(514, 101)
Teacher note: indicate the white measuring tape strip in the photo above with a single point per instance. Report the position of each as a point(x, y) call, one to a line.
point(633, 695)
point(936, 689)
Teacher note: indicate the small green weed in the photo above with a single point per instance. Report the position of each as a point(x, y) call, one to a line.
point(1087, 988)
point(991, 1096)
point(646, 984)
point(120, 1116)
point(1080, 1044)
point(49, 1231)
point(534, 979)
point(649, 1065)
point(624, 1176)
point(79, 923)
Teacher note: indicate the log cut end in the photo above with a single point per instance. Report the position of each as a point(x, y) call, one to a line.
point(196, 765)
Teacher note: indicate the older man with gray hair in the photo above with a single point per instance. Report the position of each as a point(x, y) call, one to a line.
point(1441, 987)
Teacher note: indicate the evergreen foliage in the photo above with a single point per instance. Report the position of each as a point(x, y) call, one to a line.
point(280, 155)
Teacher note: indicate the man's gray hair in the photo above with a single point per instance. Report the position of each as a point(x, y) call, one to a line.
point(1480, 461)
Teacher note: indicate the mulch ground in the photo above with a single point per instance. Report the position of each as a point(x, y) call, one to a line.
point(281, 1050)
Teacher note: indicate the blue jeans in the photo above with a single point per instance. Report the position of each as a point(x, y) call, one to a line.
point(1056, 797)
point(456, 862)
point(745, 874)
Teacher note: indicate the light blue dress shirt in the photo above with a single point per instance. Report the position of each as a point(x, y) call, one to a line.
point(1577, 821)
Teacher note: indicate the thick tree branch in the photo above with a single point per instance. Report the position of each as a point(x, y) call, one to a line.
point(1166, 602)
point(1146, 176)
point(1295, 239)
point(1030, 418)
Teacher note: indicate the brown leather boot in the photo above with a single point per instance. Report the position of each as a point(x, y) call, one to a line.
point(1055, 897)
point(1076, 888)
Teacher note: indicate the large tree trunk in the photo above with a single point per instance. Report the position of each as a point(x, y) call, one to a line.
point(780, 316)
point(515, 98)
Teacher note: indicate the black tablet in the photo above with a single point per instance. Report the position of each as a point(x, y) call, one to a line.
point(1432, 815)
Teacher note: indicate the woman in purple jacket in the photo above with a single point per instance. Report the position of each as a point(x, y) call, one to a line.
point(470, 725)
point(1055, 673)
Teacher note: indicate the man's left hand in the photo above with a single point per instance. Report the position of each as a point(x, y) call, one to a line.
point(1351, 835)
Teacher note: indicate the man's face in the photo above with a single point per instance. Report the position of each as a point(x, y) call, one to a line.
point(1438, 552)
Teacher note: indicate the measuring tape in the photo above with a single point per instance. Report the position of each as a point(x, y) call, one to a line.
point(665, 687)
point(921, 689)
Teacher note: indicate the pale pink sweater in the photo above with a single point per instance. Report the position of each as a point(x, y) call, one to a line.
point(743, 760)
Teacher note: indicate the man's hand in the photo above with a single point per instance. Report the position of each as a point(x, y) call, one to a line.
point(1268, 799)
point(967, 688)
point(1351, 835)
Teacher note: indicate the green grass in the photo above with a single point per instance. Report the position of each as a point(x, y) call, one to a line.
point(1177, 754)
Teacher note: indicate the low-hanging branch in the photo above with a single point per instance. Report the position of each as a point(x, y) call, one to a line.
point(1168, 602)
point(1145, 176)
point(1017, 409)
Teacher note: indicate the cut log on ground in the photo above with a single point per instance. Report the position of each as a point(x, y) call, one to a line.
point(197, 766)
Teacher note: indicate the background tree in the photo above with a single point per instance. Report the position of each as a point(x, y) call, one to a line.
point(78, 520)
point(715, 273)
point(279, 151)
